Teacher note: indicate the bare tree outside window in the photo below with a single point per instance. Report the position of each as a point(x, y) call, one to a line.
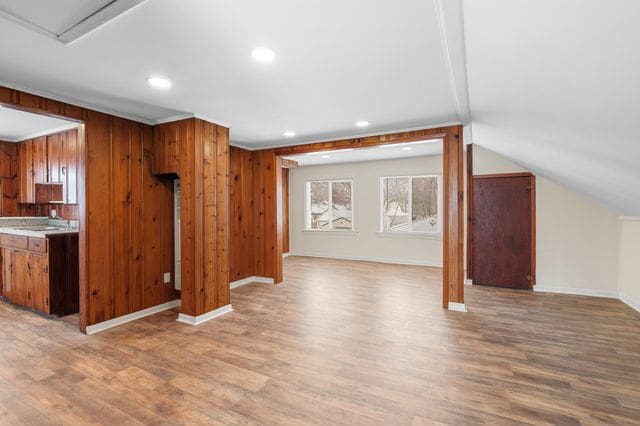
point(410, 204)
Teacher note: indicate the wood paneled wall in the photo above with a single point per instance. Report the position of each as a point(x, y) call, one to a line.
point(285, 210)
point(125, 212)
point(9, 169)
point(203, 168)
point(129, 222)
point(241, 214)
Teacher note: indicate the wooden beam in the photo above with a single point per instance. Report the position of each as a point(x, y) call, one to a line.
point(366, 142)
point(289, 164)
point(469, 211)
point(453, 230)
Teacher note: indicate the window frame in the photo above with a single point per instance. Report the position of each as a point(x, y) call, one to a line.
point(410, 231)
point(307, 205)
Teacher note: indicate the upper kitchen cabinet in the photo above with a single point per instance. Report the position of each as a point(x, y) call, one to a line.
point(49, 159)
point(166, 148)
point(27, 185)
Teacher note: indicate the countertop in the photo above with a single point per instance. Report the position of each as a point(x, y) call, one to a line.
point(37, 234)
point(12, 225)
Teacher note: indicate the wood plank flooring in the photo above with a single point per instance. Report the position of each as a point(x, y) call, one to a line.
point(338, 342)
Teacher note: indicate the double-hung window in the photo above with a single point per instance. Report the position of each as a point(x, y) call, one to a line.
point(329, 205)
point(410, 204)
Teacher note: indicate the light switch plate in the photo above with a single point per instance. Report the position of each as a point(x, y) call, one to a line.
point(167, 277)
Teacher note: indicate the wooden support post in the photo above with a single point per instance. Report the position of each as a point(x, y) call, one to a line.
point(453, 230)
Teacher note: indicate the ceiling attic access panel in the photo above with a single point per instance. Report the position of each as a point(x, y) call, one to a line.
point(64, 20)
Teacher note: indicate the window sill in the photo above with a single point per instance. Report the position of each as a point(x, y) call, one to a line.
point(418, 235)
point(331, 232)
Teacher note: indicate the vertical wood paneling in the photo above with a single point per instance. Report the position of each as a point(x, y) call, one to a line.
point(203, 170)
point(99, 219)
point(453, 229)
point(285, 210)
point(121, 206)
point(241, 214)
point(222, 216)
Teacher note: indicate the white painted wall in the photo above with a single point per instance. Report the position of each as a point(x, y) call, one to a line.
point(629, 272)
point(365, 242)
point(576, 240)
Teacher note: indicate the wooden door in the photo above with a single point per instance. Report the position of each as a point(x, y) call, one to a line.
point(27, 188)
point(503, 230)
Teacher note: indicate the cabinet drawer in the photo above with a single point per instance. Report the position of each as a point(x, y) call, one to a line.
point(38, 244)
point(14, 241)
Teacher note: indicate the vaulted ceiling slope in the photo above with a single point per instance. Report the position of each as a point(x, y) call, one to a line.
point(555, 86)
point(337, 62)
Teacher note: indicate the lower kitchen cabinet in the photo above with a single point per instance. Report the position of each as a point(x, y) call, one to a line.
point(41, 273)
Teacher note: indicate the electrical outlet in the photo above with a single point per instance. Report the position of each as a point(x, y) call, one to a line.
point(167, 277)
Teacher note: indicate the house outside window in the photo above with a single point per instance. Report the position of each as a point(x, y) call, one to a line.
point(410, 204)
point(329, 205)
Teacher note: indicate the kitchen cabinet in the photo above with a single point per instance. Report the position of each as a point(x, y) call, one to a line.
point(50, 159)
point(27, 185)
point(41, 273)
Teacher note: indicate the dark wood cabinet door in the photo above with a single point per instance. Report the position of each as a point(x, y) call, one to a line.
point(27, 187)
point(40, 163)
point(503, 230)
point(20, 271)
point(39, 267)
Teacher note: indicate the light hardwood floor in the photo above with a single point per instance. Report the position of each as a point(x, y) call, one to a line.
point(339, 342)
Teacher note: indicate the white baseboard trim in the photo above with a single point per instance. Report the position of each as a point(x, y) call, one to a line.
point(630, 301)
point(105, 325)
point(468, 281)
point(287, 254)
point(458, 307)
point(191, 320)
point(370, 259)
point(577, 291)
point(250, 280)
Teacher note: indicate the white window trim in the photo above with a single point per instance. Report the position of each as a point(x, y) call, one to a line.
point(307, 205)
point(382, 233)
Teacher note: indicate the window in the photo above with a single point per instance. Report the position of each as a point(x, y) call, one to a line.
point(410, 204)
point(329, 205)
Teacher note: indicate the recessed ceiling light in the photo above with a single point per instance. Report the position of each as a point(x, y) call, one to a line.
point(159, 82)
point(263, 54)
point(289, 133)
point(325, 156)
point(407, 148)
point(362, 123)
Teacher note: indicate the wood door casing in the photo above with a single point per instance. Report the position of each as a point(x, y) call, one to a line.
point(503, 232)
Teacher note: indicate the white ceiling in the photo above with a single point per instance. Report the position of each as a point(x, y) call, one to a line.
point(383, 152)
point(336, 63)
point(16, 126)
point(552, 85)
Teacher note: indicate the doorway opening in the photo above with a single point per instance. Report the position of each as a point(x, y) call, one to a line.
point(40, 212)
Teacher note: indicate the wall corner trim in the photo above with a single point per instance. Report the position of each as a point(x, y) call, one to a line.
point(250, 280)
point(105, 325)
point(457, 307)
point(200, 319)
